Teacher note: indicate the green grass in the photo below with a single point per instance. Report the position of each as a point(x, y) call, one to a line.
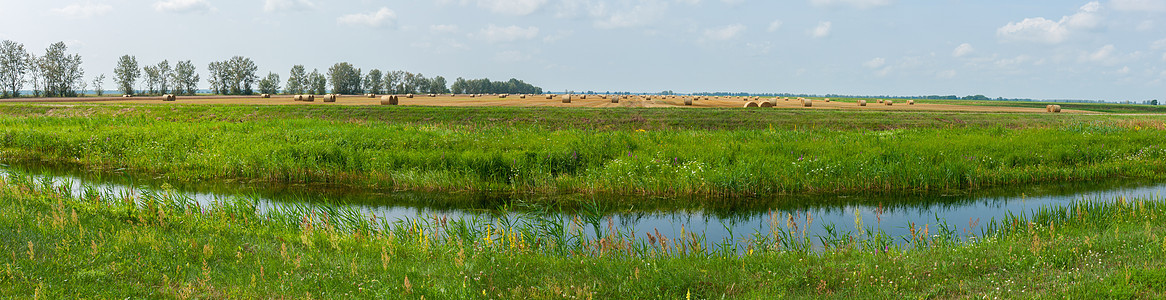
point(104, 245)
point(1093, 107)
point(564, 151)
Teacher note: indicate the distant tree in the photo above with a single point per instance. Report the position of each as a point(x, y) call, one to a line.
point(14, 65)
point(126, 74)
point(61, 72)
point(164, 74)
point(218, 77)
point(99, 85)
point(374, 82)
point(438, 85)
point(153, 78)
point(185, 78)
point(296, 81)
point(34, 74)
point(317, 83)
point(1154, 102)
point(242, 75)
point(459, 86)
point(345, 79)
point(269, 84)
point(394, 82)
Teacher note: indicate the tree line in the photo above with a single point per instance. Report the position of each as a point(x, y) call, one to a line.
point(59, 74)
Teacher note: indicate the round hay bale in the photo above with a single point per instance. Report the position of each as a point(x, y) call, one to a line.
point(910, 102)
point(889, 102)
point(522, 97)
point(766, 104)
point(330, 98)
point(615, 99)
point(550, 97)
point(827, 100)
point(1049, 108)
point(168, 97)
point(807, 102)
point(566, 98)
point(503, 96)
point(410, 96)
point(264, 95)
point(751, 104)
point(861, 102)
point(432, 95)
point(472, 95)
point(126, 96)
point(687, 101)
point(880, 101)
point(310, 98)
point(389, 100)
point(1056, 108)
point(298, 97)
point(584, 97)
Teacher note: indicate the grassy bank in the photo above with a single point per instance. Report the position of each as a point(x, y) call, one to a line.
point(104, 245)
point(409, 150)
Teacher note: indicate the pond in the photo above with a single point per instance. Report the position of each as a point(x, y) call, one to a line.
point(717, 219)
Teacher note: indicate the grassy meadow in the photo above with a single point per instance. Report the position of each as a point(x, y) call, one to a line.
point(62, 243)
point(718, 152)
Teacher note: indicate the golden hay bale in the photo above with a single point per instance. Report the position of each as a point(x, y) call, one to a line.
point(766, 104)
point(861, 102)
point(880, 100)
point(1055, 108)
point(910, 102)
point(1049, 108)
point(550, 97)
point(566, 98)
point(264, 95)
point(751, 104)
point(472, 95)
point(889, 102)
point(807, 102)
point(615, 99)
point(310, 98)
point(298, 97)
point(410, 96)
point(827, 100)
point(330, 98)
point(389, 100)
point(687, 101)
point(503, 96)
point(168, 97)
point(584, 97)
point(126, 96)
point(432, 95)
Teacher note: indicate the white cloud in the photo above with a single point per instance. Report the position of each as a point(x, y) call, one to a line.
point(963, 49)
point(733, 2)
point(822, 30)
point(512, 56)
point(875, 63)
point(862, 4)
point(724, 33)
point(288, 5)
point(494, 33)
point(1047, 31)
point(183, 6)
point(1124, 70)
point(642, 13)
point(1105, 54)
point(443, 28)
point(83, 10)
point(1138, 5)
point(689, 2)
point(1158, 45)
point(512, 7)
point(384, 17)
point(945, 74)
point(774, 26)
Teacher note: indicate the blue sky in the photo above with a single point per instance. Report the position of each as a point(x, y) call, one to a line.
point(1112, 50)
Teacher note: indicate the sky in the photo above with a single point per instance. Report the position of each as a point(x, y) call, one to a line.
point(1111, 50)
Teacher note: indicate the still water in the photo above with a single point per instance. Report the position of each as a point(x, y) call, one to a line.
point(718, 219)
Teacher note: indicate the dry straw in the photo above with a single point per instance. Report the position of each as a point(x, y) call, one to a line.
point(807, 102)
point(687, 101)
point(766, 104)
point(550, 97)
point(910, 102)
point(827, 100)
point(889, 102)
point(389, 100)
point(861, 102)
point(1054, 108)
point(751, 104)
point(615, 99)
point(566, 98)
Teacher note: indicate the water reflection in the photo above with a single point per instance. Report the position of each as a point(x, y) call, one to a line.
point(717, 218)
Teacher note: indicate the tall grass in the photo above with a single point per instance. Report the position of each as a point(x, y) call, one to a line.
point(524, 157)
